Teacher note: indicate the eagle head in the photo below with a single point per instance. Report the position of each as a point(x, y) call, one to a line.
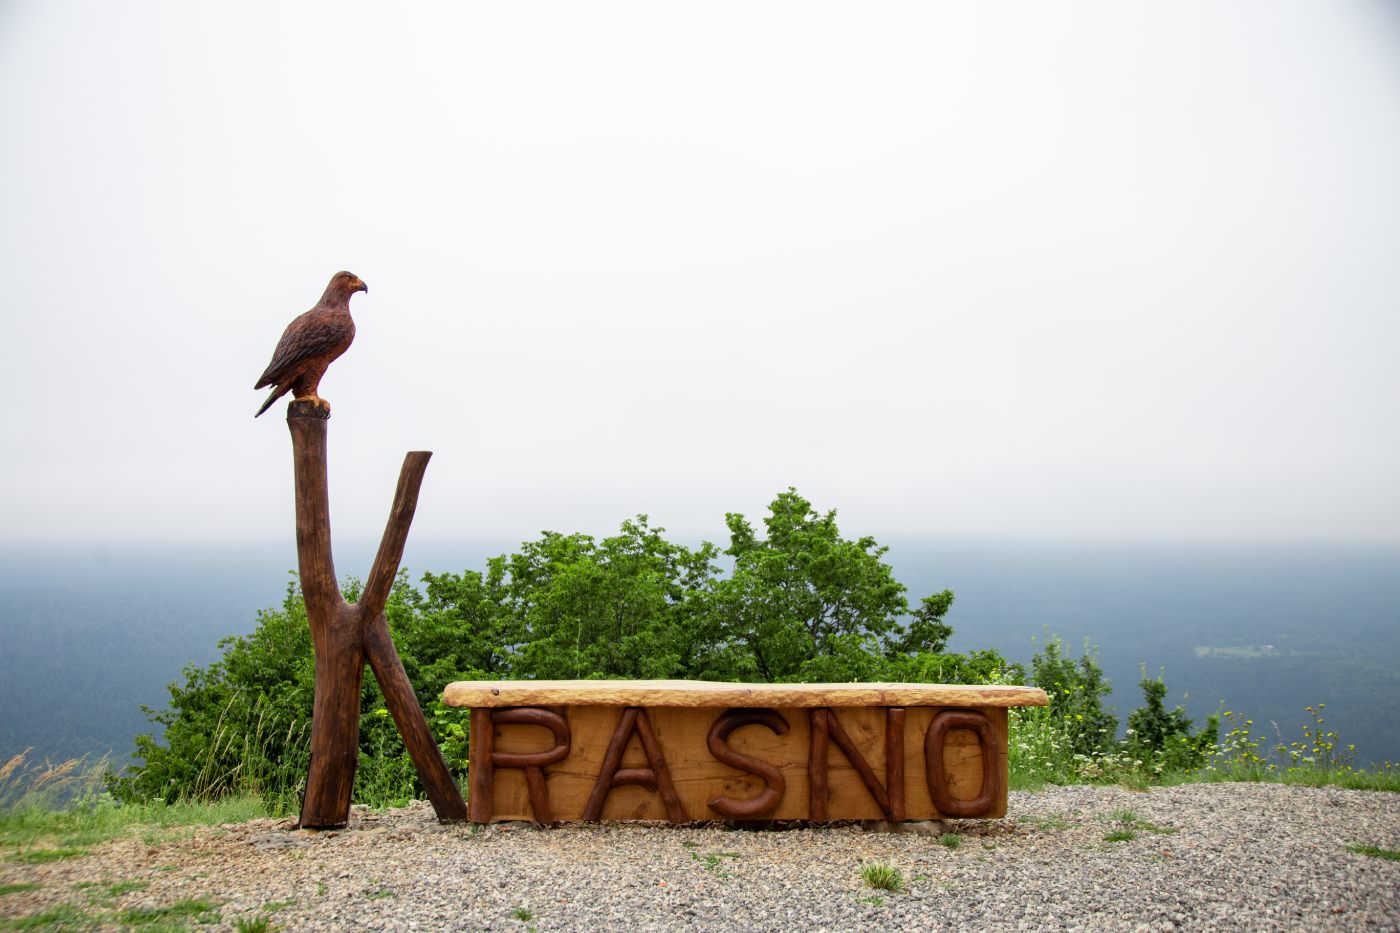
point(345, 284)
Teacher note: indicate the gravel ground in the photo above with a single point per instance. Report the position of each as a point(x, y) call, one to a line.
point(1205, 857)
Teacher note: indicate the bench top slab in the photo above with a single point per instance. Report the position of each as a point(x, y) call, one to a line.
point(704, 693)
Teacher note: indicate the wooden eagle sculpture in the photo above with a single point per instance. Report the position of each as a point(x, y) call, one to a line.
point(310, 343)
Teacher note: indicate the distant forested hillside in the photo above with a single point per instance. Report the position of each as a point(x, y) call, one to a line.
point(1329, 615)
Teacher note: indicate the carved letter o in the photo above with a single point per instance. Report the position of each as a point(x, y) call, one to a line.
point(943, 722)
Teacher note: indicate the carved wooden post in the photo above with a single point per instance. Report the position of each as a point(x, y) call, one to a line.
point(345, 635)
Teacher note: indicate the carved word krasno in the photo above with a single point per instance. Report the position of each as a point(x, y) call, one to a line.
point(683, 751)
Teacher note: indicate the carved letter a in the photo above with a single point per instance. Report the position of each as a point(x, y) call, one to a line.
point(656, 778)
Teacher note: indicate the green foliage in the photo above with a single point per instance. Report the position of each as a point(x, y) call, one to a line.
point(1163, 740)
point(42, 856)
point(253, 925)
point(713, 861)
point(882, 877)
point(1076, 690)
point(801, 603)
point(189, 907)
point(1374, 851)
point(57, 917)
point(1318, 759)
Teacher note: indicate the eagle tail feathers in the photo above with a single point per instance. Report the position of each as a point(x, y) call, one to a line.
point(276, 394)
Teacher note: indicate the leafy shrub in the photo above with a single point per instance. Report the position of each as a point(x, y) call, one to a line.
point(802, 603)
point(1163, 741)
point(1076, 690)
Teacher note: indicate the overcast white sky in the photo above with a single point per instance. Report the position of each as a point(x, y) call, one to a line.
point(1091, 269)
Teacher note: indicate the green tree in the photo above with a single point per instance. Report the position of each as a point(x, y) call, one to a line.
point(1158, 737)
point(1076, 690)
point(804, 603)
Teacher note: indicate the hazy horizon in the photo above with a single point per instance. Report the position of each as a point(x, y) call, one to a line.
point(128, 620)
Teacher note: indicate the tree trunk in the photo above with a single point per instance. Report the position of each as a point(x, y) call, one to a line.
point(345, 635)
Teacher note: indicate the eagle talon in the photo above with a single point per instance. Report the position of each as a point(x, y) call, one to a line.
point(315, 400)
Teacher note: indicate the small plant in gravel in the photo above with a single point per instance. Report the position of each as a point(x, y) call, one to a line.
point(713, 860)
point(1121, 834)
point(58, 917)
point(1130, 819)
point(255, 925)
point(882, 877)
point(43, 856)
point(1053, 821)
point(379, 894)
point(18, 888)
point(522, 914)
point(874, 900)
point(198, 909)
point(125, 887)
point(950, 840)
point(1374, 851)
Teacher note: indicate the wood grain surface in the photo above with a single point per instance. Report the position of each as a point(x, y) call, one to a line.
point(708, 694)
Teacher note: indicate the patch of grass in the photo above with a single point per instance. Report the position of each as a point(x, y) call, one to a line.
point(197, 908)
point(126, 887)
point(58, 917)
point(1386, 780)
point(43, 856)
point(1122, 834)
point(1374, 851)
point(882, 877)
point(1054, 821)
point(691, 844)
point(273, 906)
point(255, 925)
point(874, 900)
point(18, 888)
point(34, 807)
point(321, 889)
point(522, 913)
point(713, 860)
point(1129, 818)
point(950, 840)
point(379, 894)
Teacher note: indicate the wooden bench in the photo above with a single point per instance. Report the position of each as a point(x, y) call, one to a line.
point(686, 751)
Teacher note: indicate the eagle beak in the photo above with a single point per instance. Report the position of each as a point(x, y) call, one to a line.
point(361, 286)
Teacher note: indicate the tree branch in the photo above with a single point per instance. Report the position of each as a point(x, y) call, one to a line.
point(386, 562)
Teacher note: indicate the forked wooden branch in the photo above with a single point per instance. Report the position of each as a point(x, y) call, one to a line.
point(345, 636)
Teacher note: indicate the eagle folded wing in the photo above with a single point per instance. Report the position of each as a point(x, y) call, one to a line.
point(312, 334)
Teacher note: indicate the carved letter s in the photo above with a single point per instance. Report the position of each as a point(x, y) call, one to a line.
point(774, 786)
